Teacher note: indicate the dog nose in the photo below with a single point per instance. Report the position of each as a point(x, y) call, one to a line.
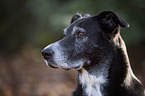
point(47, 53)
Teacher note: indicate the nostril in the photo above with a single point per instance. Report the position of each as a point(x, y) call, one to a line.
point(47, 53)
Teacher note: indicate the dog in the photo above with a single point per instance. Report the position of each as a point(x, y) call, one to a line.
point(93, 46)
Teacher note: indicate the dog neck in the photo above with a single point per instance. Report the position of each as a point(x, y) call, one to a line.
point(120, 72)
point(109, 76)
point(93, 80)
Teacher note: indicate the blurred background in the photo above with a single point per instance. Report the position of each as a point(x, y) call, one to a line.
point(27, 26)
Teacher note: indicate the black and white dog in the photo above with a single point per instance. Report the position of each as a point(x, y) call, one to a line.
point(93, 46)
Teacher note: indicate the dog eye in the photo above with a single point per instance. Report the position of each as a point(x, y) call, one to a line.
point(81, 34)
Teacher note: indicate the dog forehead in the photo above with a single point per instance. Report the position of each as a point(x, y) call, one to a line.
point(75, 25)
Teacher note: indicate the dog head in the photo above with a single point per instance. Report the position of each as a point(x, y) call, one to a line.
point(87, 41)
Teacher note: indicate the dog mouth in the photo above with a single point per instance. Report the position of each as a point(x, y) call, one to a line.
point(64, 68)
point(55, 67)
point(51, 65)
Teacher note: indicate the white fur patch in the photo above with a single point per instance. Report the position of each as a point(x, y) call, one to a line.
point(75, 28)
point(91, 83)
point(46, 62)
point(65, 30)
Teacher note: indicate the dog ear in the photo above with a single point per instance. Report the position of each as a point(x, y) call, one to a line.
point(75, 17)
point(110, 21)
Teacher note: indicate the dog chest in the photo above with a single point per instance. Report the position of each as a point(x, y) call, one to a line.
point(92, 85)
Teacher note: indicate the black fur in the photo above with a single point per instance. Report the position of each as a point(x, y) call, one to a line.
point(101, 42)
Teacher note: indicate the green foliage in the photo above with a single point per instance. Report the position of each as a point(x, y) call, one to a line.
point(39, 22)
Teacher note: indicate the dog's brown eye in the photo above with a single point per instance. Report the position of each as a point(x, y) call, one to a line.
point(81, 34)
